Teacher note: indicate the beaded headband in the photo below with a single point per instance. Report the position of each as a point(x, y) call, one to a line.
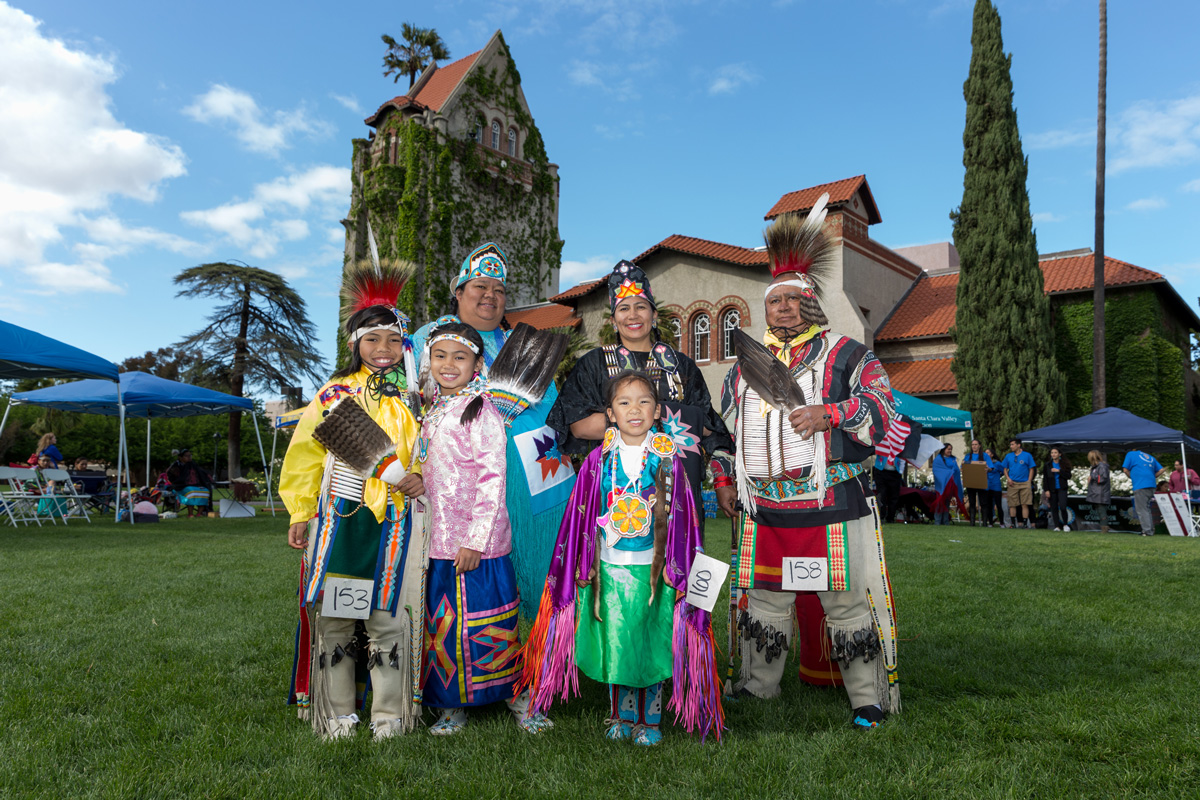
point(454, 337)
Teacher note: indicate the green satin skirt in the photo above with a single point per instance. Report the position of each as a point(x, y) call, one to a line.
point(632, 646)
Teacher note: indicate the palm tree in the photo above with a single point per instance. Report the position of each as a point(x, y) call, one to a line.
point(1098, 394)
point(259, 336)
point(421, 46)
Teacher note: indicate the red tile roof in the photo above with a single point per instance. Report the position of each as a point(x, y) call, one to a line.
point(1077, 273)
point(840, 193)
point(434, 92)
point(575, 292)
point(729, 253)
point(928, 308)
point(932, 376)
point(551, 315)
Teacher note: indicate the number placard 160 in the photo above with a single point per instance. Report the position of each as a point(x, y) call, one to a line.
point(348, 598)
point(805, 574)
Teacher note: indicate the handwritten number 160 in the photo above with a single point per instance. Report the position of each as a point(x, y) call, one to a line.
point(701, 580)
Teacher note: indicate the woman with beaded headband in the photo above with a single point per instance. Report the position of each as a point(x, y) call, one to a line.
point(688, 413)
point(539, 477)
point(362, 538)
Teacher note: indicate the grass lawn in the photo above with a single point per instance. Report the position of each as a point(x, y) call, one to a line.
point(153, 662)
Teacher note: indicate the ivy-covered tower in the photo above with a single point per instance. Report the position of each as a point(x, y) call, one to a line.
point(1004, 364)
point(456, 162)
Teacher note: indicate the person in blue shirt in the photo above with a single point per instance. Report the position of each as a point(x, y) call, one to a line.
point(1142, 469)
point(1018, 471)
point(947, 482)
point(1055, 475)
point(995, 489)
point(980, 500)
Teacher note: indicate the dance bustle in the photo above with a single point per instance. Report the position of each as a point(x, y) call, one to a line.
point(766, 374)
point(350, 434)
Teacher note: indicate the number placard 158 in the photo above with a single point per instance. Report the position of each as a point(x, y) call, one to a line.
point(348, 598)
point(705, 580)
point(805, 574)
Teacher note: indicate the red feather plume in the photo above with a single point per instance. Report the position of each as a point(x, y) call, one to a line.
point(364, 285)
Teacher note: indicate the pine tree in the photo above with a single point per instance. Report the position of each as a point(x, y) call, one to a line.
point(1004, 363)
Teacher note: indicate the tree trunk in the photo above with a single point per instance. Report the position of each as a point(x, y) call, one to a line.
point(237, 382)
point(1098, 356)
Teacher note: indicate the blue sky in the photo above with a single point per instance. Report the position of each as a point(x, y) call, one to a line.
point(138, 139)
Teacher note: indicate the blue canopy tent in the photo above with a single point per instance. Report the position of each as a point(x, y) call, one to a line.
point(140, 395)
point(1109, 427)
point(935, 420)
point(28, 354)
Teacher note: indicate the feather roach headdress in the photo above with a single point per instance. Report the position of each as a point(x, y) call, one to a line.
point(801, 247)
point(367, 283)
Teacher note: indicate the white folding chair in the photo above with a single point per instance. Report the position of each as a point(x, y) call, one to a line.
point(19, 504)
point(61, 488)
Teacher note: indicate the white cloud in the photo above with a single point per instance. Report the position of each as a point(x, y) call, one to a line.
point(731, 77)
point(576, 272)
point(1191, 186)
point(225, 104)
point(1147, 204)
point(336, 235)
point(349, 102)
point(1060, 138)
point(51, 278)
point(1047, 216)
point(584, 73)
point(1157, 134)
point(323, 189)
point(50, 176)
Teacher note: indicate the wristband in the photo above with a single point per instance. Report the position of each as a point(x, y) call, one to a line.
point(721, 481)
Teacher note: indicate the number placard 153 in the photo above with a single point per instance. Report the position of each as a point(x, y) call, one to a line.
point(348, 598)
point(705, 580)
point(805, 574)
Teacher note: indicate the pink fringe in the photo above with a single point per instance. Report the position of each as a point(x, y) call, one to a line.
point(549, 657)
point(696, 691)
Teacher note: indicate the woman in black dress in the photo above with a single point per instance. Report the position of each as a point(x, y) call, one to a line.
point(688, 415)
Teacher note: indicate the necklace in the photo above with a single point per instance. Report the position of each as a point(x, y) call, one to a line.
point(628, 514)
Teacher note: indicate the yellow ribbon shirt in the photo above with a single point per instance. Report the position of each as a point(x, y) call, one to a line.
point(304, 463)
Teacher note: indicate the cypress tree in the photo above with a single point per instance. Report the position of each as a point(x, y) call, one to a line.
point(1004, 362)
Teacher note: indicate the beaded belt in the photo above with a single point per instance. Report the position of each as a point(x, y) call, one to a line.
point(788, 489)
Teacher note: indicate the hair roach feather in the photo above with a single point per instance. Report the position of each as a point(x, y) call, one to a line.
point(801, 246)
point(364, 284)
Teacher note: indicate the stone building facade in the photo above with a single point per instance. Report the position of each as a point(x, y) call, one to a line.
point(455, 162)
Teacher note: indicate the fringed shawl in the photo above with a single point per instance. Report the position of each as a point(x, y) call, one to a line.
point(549, 668)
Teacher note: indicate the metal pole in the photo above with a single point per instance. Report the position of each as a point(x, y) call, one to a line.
point(128, 476)
point(148, 484)
point(1187, 488)
point(120, 454)
point(7, 409)
point(262, 454)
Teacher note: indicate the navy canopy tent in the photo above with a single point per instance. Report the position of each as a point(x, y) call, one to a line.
point(26, 354)
point(1109, 428)
point(141, 395)
point(935, 420)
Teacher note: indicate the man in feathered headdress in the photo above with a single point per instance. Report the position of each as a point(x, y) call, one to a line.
point(808, 521)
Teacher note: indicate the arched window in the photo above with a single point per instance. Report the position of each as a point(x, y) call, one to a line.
point(677, 331)
point(731, 321)
point(701, 324)
point(477, 131)
point(495, 135)
point(512, 142)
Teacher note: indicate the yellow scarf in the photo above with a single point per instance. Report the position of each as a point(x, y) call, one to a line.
point(786, 350)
